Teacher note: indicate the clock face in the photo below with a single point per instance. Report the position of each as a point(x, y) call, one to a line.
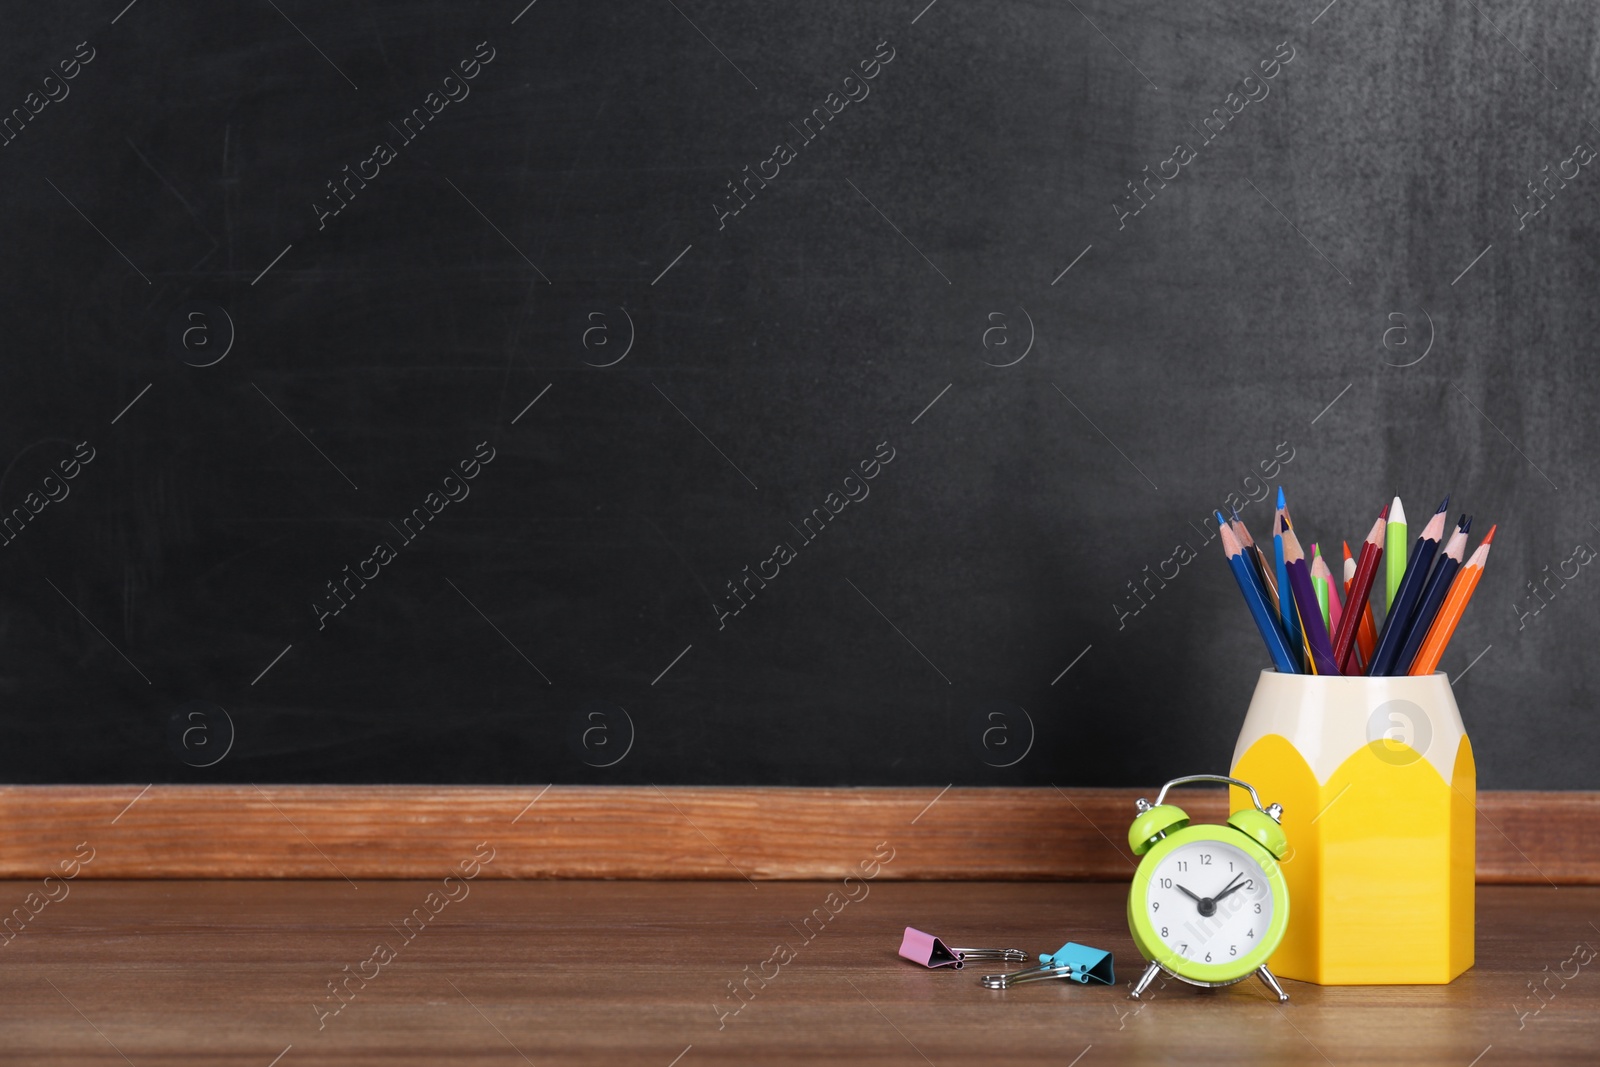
point(1209, 902)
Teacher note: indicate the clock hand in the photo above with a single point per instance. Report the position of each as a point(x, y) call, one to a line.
point(1188, 894)
point(1233, 887)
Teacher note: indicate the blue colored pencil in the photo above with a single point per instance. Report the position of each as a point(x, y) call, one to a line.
point(1257, 602)
point(1438, 587)
point(1254, 557)
point(1396, 624)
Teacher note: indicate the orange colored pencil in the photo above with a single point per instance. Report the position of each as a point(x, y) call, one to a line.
point(1450, 612)
point(1367, 630)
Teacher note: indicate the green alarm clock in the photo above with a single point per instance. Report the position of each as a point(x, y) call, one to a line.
point(1208, 904)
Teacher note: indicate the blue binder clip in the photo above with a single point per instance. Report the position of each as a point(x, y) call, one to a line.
point(1072, 960)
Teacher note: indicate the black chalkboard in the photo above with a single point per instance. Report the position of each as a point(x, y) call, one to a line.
point(701, 392)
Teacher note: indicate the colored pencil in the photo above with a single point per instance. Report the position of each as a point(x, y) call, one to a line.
point(1406, 597)
point(1258, 561)
point(1349, 575)
point(1248, 544)
point(1320, 573)
point(1433, 595)
point(1394, 554)
point(1344, 641)
point(1258, 567)
point(1366, 632)
point(1286, 608)
point(1287, 521)
point(1319, 589)
point(1250, 588)
point(1305, 644)
point(1444, 623)
point(1305, 600)
point(1307, 660)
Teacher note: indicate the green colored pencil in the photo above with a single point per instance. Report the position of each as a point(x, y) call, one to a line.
point(1319, 585)
point(1394, 552)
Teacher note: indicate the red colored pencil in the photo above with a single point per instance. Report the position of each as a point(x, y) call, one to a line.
point(1367, 631)
point(1360, 587)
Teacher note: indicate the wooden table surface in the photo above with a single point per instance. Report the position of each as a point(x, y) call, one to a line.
point(549, 973)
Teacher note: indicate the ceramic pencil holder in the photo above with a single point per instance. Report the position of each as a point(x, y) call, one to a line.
point(1379, 791)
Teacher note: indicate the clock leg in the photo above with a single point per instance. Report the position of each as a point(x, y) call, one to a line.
point(1149, 976)
point(1271, 983)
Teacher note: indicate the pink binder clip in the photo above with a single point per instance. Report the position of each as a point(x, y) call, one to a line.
point(929, 951)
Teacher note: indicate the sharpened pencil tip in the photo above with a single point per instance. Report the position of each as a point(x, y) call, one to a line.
point(1384, 514)
point(1443, 504)
point(1465, 525)
point(1346, 549)
point(1489, 540)
point(1220, 520)
point(1281, 504)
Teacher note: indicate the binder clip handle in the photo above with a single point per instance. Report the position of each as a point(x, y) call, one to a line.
point(1030, 974)
point(1008, 955)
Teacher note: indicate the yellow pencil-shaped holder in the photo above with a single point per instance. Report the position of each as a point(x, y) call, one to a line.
point(1378, 789)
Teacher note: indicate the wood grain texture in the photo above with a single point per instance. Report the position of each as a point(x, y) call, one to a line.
point(636, 974)
point(643, 832)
